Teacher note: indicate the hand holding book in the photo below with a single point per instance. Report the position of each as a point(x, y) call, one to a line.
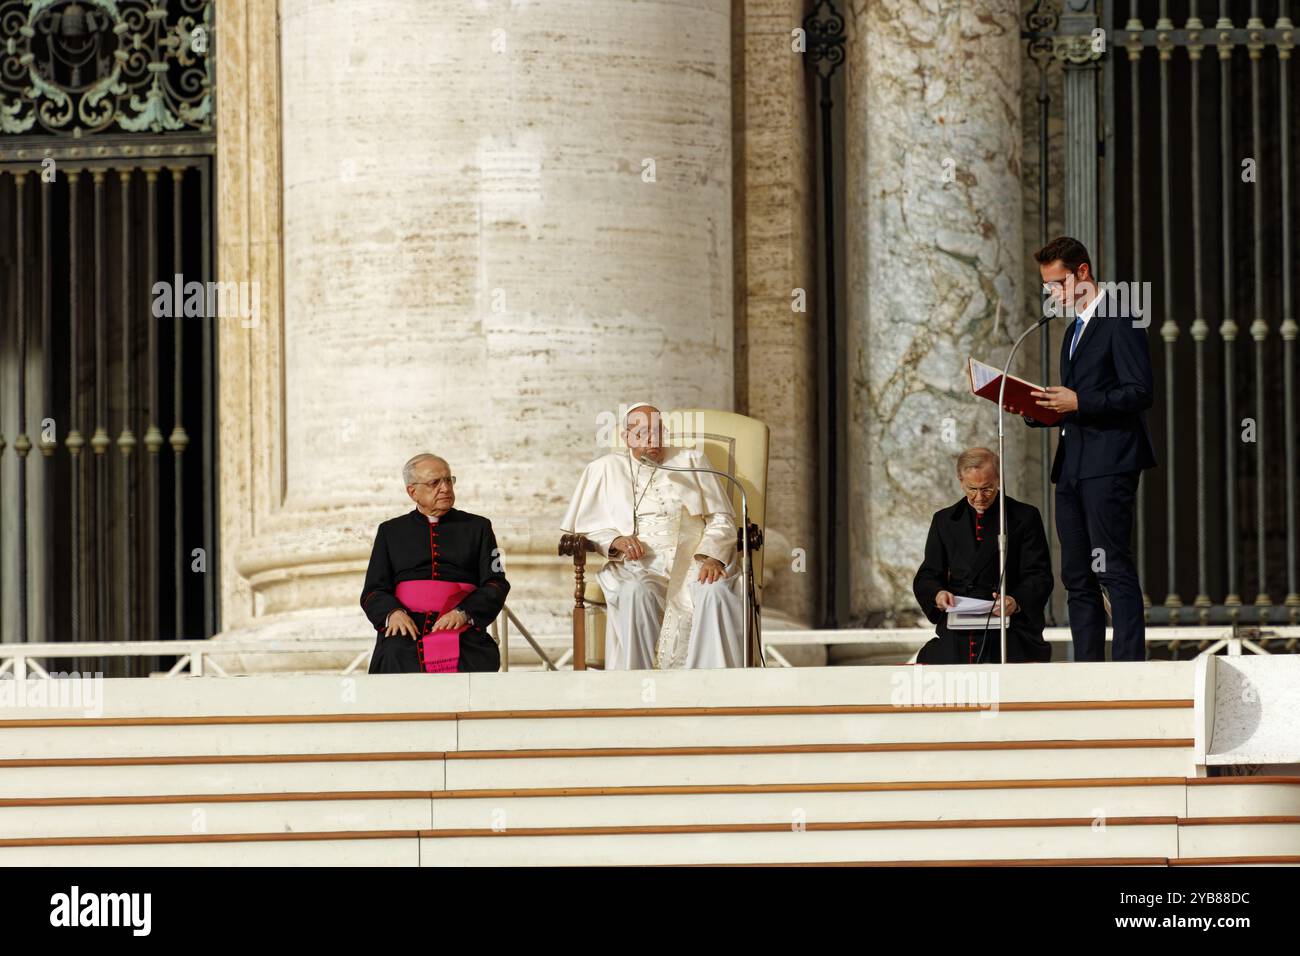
point(1057, 398)
point(1019, 396)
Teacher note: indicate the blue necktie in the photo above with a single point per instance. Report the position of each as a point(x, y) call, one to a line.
point(1078, 331)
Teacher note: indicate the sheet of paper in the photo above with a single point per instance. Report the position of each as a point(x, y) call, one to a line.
point(970, 605)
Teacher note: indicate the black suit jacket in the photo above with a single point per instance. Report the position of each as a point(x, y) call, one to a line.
point(955, 562)
point(1111, 374)
point(466, 552)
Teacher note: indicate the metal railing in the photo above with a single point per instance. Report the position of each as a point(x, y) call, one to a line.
point(1206, 640)
point(199, 658)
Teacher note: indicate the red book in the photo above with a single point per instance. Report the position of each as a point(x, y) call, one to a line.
point(985, 381)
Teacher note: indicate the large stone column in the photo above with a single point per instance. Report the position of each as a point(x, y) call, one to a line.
point(493, 221)
point(934, 241)
point(777, 326)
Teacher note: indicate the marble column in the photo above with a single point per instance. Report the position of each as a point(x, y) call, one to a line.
point(934, 242)
point(776, 305)
point(478, 226)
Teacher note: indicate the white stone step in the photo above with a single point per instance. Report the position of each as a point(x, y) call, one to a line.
point(1144, 841)
point(404, 736)
point(570, 732)
point(1243, 799)
point(201, 816)
point(1151, 842)
point(1158, 841)
point(1151, 680)
point(164, 779)
point(454, 693)
point(791, 807)
point(499, 773)
point(403, 851)
point(260, 695)
point(1239, 839)
point(899, 727)
point(448, 813)
point(504, 772)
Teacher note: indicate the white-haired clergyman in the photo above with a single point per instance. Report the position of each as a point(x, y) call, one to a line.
point(435, 581)
point(672, 581)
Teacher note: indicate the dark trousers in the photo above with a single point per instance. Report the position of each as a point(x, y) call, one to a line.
point(398, 654)
point(1094, 522)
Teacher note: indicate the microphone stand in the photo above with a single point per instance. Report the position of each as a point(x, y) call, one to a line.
point(1002, 504)
point(746, 568)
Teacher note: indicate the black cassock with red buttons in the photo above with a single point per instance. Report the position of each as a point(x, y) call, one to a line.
point(458, 547)
point(961, 557)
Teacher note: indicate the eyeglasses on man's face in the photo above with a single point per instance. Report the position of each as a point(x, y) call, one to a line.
point(1065, 283)
point(436, 483)
point(1060, 285)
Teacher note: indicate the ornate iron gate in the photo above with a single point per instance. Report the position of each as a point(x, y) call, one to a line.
point(1178, 150)
point(108, 528)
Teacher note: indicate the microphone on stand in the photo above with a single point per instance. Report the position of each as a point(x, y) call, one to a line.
point(1002, 509)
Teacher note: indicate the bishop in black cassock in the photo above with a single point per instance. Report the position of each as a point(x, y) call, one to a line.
point(433, 542)
point(961, 559)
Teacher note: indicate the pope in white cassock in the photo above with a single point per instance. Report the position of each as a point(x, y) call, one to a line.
point(672, 582)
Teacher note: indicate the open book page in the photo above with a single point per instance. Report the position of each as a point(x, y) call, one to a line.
point(1017, 394)
point(982, 375)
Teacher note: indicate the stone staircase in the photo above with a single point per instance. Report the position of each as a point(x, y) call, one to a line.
point(1029, 764)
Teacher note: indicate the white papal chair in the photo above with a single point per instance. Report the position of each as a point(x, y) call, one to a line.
point(735, 445)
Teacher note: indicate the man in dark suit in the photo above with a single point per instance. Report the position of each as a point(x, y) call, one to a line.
point(1106, 388)
point(961, 559)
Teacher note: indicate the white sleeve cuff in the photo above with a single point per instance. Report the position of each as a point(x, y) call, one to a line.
point(603, 539)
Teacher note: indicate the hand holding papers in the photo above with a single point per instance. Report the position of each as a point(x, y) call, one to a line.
point(967, 613)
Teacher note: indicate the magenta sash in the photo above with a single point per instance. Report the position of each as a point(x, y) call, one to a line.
point(439, 650)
